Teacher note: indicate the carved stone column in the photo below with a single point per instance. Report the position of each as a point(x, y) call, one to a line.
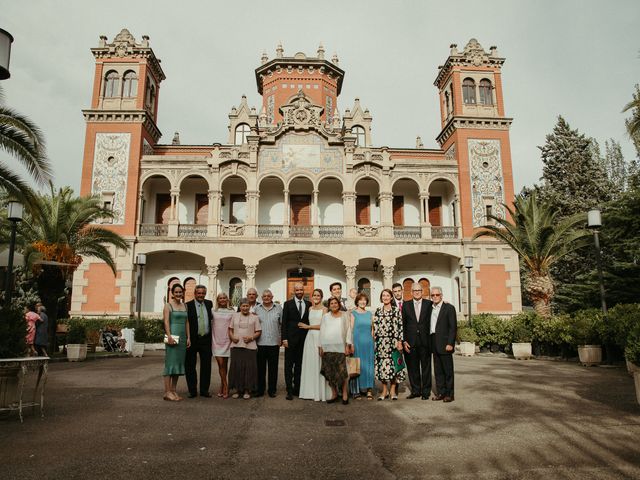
point(174, 218)
point(315, 215)
point(213, 219)
point(350, 272)
point(349, 213)
point(250, 271)
point(387, 276)
point(286, 214)
point(458, 218)
point(252, 199)
point(212, 273)
point(140, 220)
point(425, 226)
point(386, 214)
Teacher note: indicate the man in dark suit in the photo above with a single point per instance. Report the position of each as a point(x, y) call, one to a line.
point(442, 329)
point(294, 311)
point(398, 293)
point(199, 317)
point(417, 345)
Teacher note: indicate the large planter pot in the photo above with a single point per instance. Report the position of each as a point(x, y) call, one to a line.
point(590, 355)
point(636, 380)
point(467, 349)
point(521, 351)
point(76, 352)
point(137, 350)
point(8, 386)
point(632, 368)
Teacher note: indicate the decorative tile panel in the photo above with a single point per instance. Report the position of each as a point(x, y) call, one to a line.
point(306, 151)
point(110, 170)
point(487, 181)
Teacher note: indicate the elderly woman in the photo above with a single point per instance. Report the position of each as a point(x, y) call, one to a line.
point(335, 345)
point(243, 332)
point(178, 339)
point(221, 343)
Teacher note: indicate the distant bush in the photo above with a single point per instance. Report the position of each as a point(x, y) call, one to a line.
point(632, 348)
point(154, 327)
point(491, 330)
point(520, 327)
point(621, 320)
point(77, 333)
point(586, 327)
point(467, 334)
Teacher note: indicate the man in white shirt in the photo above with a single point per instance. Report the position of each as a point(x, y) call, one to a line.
point(443, 329)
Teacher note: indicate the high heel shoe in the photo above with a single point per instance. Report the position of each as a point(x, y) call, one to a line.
point(345, 402)
point(333, 400)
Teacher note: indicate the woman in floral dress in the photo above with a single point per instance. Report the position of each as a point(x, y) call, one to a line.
point(387, 334)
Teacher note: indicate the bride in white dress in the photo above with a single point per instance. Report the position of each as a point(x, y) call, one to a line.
point(313, 386)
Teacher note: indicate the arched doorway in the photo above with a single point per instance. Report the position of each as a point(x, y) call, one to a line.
point(189, 288)
point(302, 275)
point(235, 291)
point(364, 286)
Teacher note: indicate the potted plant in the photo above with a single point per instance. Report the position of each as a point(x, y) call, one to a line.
point(13, 330)
point(467, 338)
point(586, 326)
point(77, 342)
point(621, 320)
point(632, 355)
point(521, 333)
point(140, 336)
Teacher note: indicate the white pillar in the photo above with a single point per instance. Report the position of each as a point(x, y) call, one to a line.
point(250, 271)
point(350, 271)
point(212, 273)
point(387, 276)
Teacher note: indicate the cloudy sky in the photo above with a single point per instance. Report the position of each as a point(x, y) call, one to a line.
point(577, 58)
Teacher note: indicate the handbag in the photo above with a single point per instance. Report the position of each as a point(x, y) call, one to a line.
point(176, 339)
point(353, 366)
point(398, 361)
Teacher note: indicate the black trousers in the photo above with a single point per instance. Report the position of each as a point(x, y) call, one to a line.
point(199, 346)
point(443, 370)
point(293, 368)
point(268, 358)
point(419, 368)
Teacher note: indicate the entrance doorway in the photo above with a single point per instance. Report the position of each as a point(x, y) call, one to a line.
point(305, 277)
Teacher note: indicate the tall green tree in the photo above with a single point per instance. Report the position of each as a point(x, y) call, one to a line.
point(23, 141)
point(62, 229)
point(541, 239)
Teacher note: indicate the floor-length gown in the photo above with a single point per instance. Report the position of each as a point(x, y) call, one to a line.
point(363, 349)
point(313, 385)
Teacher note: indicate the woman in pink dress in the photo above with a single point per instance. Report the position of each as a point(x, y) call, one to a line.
point(31, 317)
point(221, 342)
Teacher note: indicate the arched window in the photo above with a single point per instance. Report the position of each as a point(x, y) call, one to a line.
point(469, 91)
point(242, 131)
point(358, 131)
point(426, 287)
point(446, 102)
point(364, 286)
point(235, 291)
point(111, 83)
point(486, 96)
point(129, 84)
point(153, 96)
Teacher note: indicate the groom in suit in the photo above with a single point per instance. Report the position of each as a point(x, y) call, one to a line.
point(199, 317)
point(294, 311)
point(443, 329)
point(416, 314)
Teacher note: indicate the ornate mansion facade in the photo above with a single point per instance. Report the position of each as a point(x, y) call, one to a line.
point(297, 191)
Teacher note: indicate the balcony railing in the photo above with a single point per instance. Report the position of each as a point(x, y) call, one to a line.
point(444, 232)
point(331, 231)
point(154, 230)
point(192, 231)
point(406, 233)
point(270, 231)
point(301, 231)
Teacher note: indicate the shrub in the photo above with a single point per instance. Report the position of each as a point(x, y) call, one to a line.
point(520, 327)
point(77, 333)
point(140, 335)
point(621, 320)
point(467, 334)
point(586, 327)
point(554, 330)
point(154, 326)
point(632, 349)
point(13, 330)
point(490, 330)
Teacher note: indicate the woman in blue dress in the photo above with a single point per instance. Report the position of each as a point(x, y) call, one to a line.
point(363, 346)
point(175, 328)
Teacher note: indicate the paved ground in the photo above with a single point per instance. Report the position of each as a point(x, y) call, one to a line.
point(511, 419)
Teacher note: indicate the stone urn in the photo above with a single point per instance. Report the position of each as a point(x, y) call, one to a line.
point(521, 351)
point(137, 350)
point(76, 352)
point(590, 355)
point(467, 349)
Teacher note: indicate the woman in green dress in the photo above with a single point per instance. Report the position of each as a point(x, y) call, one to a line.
point(175, 328)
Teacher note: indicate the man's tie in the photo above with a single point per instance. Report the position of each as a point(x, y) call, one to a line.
point(300, 308)
point(201, 325)
point(417, 305)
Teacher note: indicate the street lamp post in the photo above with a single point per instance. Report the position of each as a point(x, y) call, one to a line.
point(594, 222)
point(14, 214)
point(5, 53)
point(141, 261)
point(468, 264)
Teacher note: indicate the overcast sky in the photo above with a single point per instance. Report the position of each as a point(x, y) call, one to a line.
point(577, 58)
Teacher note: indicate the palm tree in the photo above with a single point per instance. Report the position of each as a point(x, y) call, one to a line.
point(540, 239)
point(58, 233)
point(23, 140)
point(633, 123)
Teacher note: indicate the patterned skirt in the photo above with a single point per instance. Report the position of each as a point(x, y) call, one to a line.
point(334, 369)
point(243, 371)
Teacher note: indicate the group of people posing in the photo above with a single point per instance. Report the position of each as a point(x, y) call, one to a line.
point(318, 337)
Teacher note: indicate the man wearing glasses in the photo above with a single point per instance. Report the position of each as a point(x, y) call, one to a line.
point(442, 330)
point(417, 342)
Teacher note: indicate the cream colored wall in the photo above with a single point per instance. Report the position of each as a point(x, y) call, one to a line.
point(187, 204)
point(330, 209)
point(271, 203)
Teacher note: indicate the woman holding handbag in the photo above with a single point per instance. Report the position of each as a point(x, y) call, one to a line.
point(387, 334)
point(335, 345)
point(361, 326)
point(177, 339)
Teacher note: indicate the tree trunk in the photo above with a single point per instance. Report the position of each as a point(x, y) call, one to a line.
point(540, 289)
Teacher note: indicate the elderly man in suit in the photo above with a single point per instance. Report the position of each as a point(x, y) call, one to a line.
point(294, 311)
point(199, 317)
point(417, 342)
point(442, 329)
